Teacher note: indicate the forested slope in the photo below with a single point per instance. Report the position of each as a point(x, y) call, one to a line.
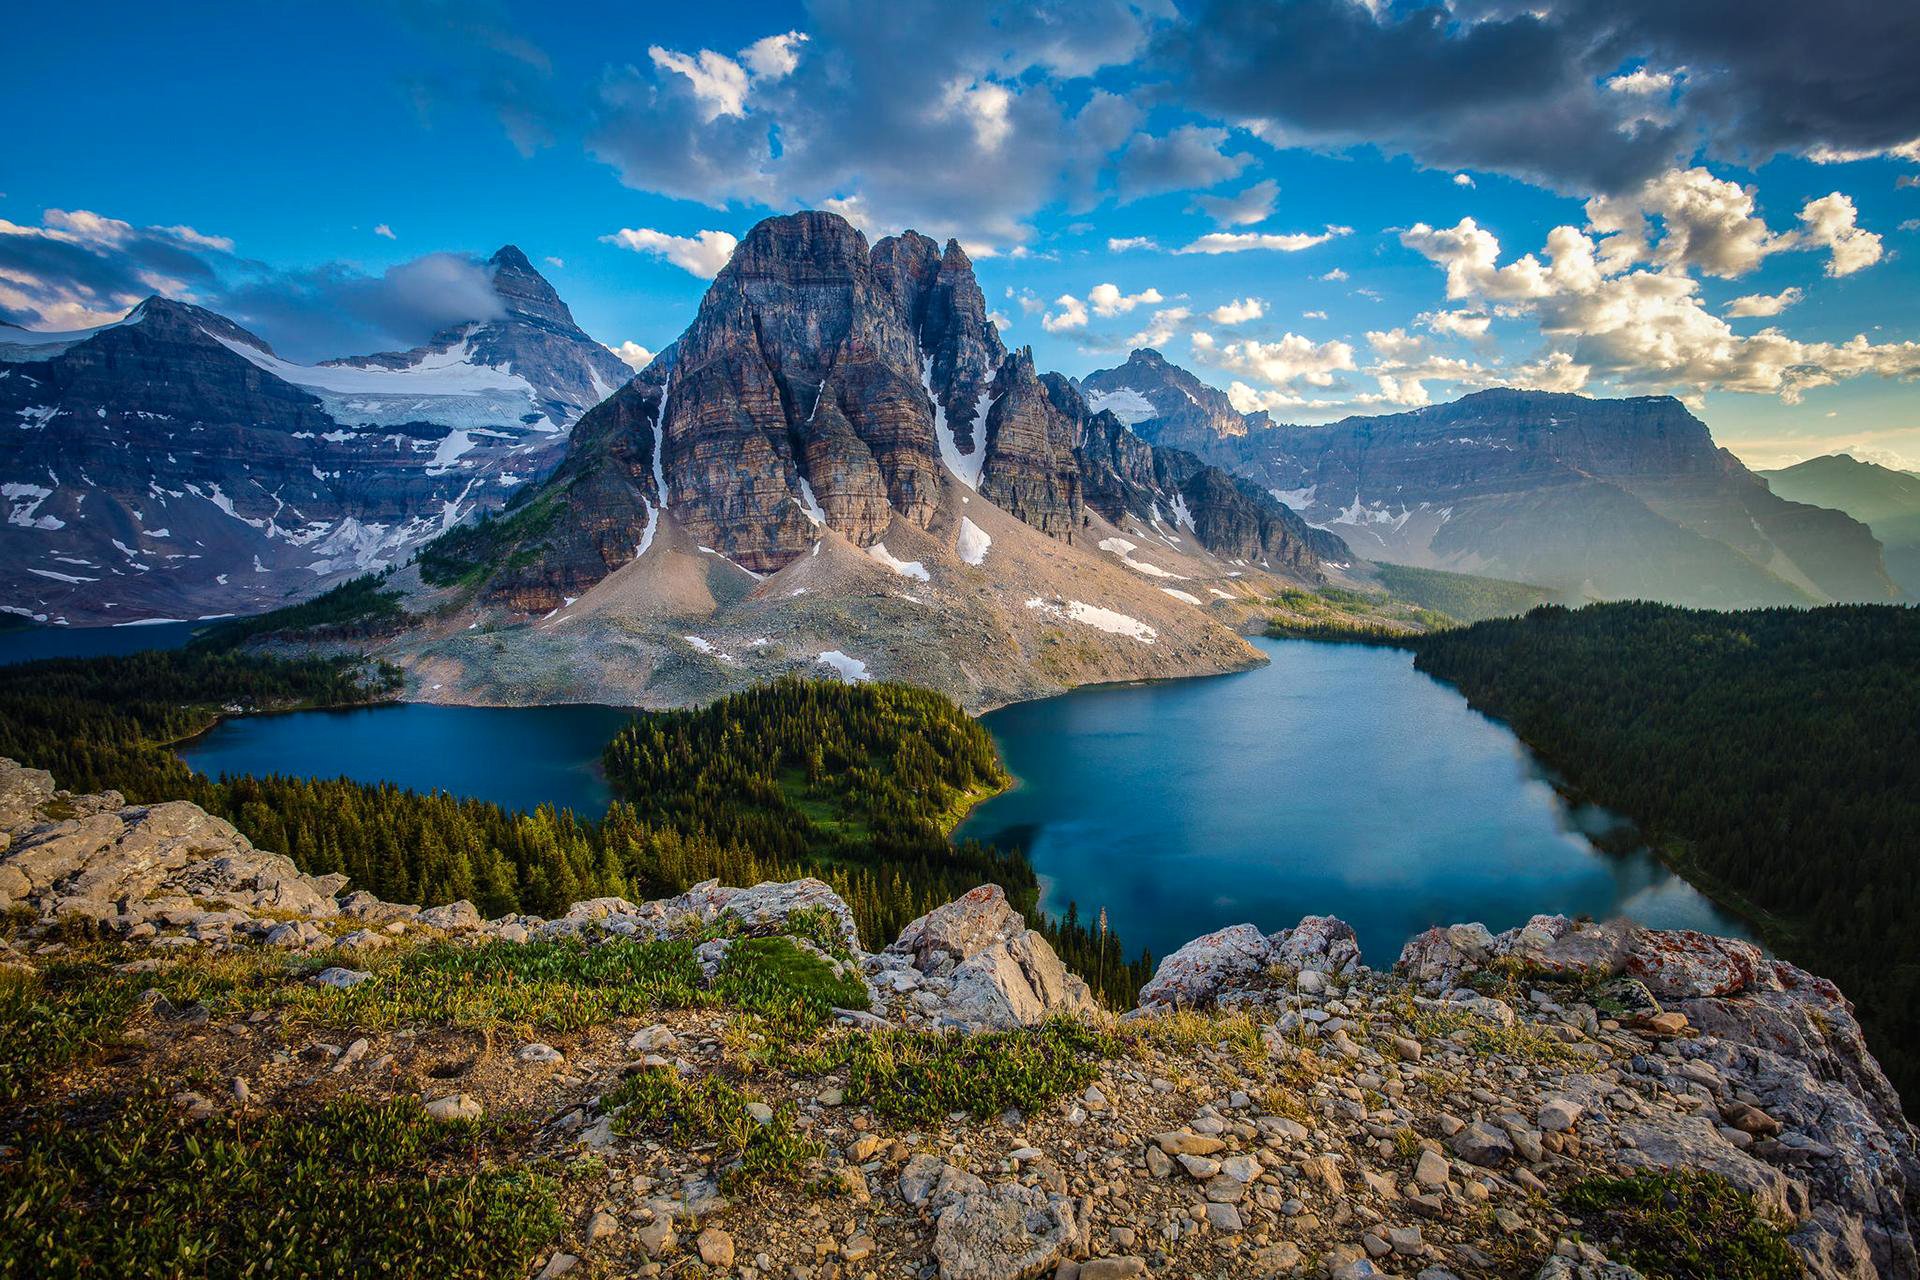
point(858, 785)
point(1773, 755)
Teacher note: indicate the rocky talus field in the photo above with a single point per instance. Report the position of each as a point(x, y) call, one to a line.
point(217, 1065)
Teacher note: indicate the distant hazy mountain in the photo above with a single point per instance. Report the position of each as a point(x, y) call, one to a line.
point(172, 465)
point(1608, 498)
point(1888, 501)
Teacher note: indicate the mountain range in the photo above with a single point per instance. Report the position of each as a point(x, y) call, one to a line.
point(1885, 500)
point(1603, 498)
point(840, 463)
point(172, 465)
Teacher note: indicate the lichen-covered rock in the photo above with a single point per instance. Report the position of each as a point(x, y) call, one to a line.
point(1199, 972)
point(1679, 964)
point(1006, 1232)
point(1322, 944)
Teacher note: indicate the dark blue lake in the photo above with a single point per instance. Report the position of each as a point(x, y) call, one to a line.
point(1337, 780)
point(30, 644)
point(518, 757)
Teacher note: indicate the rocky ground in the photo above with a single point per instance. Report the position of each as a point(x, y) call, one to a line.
point(961, 1108)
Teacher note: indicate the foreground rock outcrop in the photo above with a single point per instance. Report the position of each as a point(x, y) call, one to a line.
point(1274, 1107)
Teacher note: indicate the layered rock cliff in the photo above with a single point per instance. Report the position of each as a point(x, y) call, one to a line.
point(838, 418)
point(1273, 1106)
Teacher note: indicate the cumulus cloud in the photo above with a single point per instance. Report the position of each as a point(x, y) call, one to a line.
point(385, 231)
point(1763, 304)
point(1713, 226)
point(1463, 180)
point(1605, 312)
point(701, 254)
point(1071, 314)
point(635, 356)
point(1458, 324)
point(1245, 208)
point(1334, 276)
point(1282, 365)
point(858, 108)
point(1238, 311)
point(1161, 328)
point(1107, 300)
point(1127, 244)
point(1244, 241)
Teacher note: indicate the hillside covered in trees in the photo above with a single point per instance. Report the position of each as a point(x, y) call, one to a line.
point(1772, 755)
point(858, 785)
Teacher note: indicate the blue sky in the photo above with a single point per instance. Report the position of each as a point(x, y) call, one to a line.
point(1380, 173)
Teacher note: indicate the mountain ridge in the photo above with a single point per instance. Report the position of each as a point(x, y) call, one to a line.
point(172, 464)
point(1613, 498)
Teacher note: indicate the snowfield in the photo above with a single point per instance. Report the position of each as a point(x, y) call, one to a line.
point(852, 670)
point(905, 568)
point(1124, 549)
point(1124, 403)
point(973, 542)
point(1091, 615)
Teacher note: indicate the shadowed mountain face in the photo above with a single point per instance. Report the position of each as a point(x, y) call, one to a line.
point(825, 386)
point(171, 465)
point(1612, 498)
point(1885, 500)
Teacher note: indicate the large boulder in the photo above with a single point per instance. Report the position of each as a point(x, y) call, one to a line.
point(975, 964)
point(1239, 962)
point(1202, 970)
point(1679, 964)
point(1005, 1232)
point(128, 862)
point(1324, 944)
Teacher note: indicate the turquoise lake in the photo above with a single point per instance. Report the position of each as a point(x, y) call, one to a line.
point(1336, 780)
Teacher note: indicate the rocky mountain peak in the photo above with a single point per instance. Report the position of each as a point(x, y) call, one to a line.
point(526, 293)
point(1165, 403)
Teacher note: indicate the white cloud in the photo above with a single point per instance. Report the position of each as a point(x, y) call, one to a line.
point(702, 254)
point(1238, 311)
point(558, 264)
point(1462, 179)
point(1457, 324)
point(717, 81)
point(999, 320)
point(1643, 83)
point(1763, 304)
point(636, 356)
point(773, 57)
point(1243, 241)
point(1603, 313)
point(1313, 315)
point(1830, 222)
point(1334, 276)
point(1107, 300)
point(1281, 364)
point(1396, 344)
point(1125, 244)
point(1711, 225)
point(1255, 204)
point(1072, 314)
point(384, 230)
point(1161, 328)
